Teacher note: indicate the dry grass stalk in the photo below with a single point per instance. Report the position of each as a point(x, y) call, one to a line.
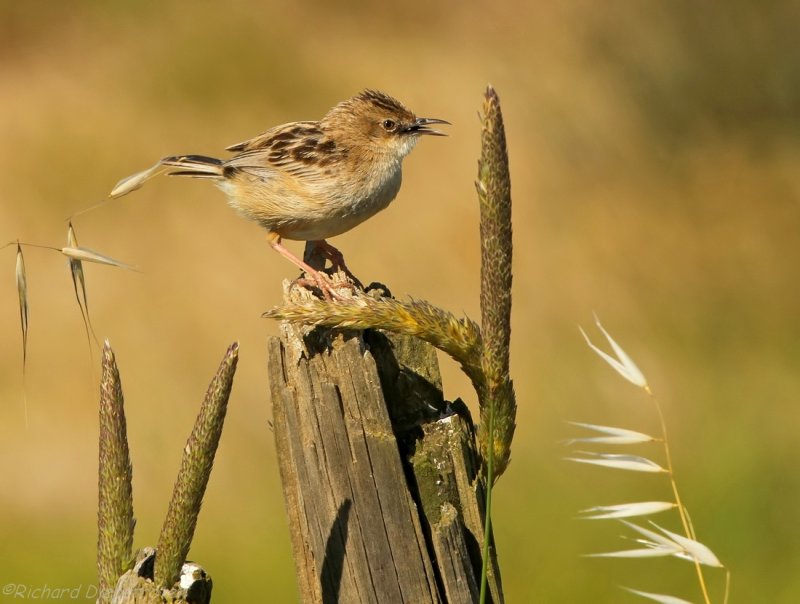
point(459, 338)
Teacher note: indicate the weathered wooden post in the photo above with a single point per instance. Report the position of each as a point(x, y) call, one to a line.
point(379, 472)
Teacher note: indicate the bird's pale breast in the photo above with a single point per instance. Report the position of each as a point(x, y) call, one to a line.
point(310, 209)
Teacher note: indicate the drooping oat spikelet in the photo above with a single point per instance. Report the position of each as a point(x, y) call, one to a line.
point(135, 181)
point(498, 405)
point(22, 292)
point(634, 463)
point(83, 253)
point(660, 598)
point(665, 543)
point(198, 459)
point(626, 510)
point(79, 284)
point(612, 436)
point(115, 522)
point(622, 364)
point(459, 338)
point(693, 549)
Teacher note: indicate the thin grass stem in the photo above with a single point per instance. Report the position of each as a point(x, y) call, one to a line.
point(44, 247)
point(687, 525)
point(25, 398)
point(489, 488)
point(727, 586)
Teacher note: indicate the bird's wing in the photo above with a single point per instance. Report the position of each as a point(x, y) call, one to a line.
point(300, 148)
point(266, 139)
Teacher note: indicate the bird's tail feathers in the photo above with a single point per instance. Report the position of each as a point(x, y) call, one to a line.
point(195, 166)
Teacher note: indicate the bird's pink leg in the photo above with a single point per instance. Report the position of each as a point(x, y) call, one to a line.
point(275, 242)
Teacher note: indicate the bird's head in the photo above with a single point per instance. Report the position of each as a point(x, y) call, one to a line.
point(379, 124)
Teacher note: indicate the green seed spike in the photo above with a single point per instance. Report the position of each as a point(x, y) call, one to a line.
point(494, 196)
point(115, 520)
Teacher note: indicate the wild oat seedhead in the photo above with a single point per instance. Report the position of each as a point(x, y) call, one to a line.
point(494, 194)
point(659, 542)
point(76, 255)
point(115, 520)
point(198, 459)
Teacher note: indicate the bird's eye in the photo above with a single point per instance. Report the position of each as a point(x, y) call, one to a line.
point(389, 125)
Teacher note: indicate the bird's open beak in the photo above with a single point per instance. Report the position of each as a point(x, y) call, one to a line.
point(420, 126)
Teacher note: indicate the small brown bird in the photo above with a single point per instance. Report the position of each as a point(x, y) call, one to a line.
point(310, 181)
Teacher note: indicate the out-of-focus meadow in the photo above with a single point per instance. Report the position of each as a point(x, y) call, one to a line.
point(654, 158)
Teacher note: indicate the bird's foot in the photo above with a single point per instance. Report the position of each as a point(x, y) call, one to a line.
point(337, 260)
point(326, 285)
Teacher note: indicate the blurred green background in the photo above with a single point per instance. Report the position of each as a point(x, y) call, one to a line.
point(654, 156)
